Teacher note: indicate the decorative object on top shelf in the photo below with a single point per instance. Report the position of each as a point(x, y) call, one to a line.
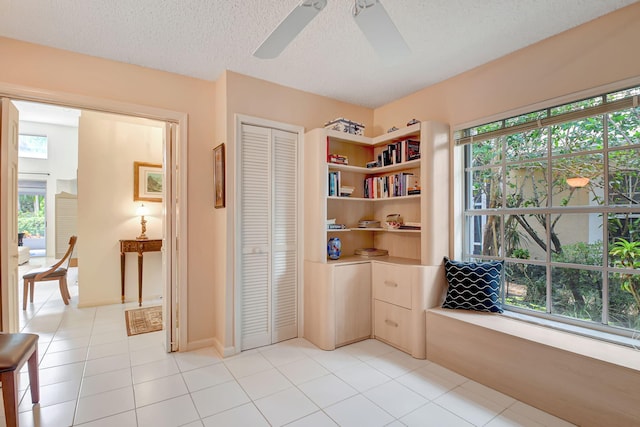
point(218, 176)
point(412, 122)
point(141, 211)
point(368, 252)
point(368, 223)
point(147, 182)
point(346, 191)
point(338, 159)
point(345, 125)
point(392, 129)
point(334, 248)
point(393, 221)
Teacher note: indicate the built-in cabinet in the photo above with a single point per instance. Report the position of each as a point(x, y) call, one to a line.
point(392, 291)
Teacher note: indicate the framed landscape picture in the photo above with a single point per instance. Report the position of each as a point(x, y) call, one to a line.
point(218, 176)
point(147, 182)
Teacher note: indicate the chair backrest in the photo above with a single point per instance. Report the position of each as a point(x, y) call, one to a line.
point(66, 257)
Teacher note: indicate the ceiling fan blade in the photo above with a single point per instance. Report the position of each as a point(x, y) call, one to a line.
point(377, 27)
point(289, 28)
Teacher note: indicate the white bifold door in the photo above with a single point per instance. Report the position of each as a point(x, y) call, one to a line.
point(268, 224)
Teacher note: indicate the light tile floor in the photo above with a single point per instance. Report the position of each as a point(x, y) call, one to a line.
point(92, 374)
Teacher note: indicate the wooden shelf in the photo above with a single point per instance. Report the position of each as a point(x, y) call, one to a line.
point(378, 199)
point(411, 164)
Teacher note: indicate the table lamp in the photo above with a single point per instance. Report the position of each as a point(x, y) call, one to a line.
point(141, 212)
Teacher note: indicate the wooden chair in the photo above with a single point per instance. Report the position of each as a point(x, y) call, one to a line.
point(55, 272)
point(15, 350)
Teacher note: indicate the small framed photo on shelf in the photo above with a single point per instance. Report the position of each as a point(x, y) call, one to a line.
point(147, 182)
point(218, 176)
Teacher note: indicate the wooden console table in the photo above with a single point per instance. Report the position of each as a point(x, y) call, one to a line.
point(139, 246)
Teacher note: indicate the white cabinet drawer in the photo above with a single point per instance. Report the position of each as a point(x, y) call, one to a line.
point(393, 324)
point(392, 283)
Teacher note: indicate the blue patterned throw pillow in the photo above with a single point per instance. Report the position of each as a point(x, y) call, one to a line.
point(473, 285)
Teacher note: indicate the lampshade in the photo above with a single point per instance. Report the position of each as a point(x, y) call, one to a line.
point(577, 182)
point(142, 210)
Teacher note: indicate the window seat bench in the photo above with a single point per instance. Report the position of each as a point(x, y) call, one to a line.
point(582, 380)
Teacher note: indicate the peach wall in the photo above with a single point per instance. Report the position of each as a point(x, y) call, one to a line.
point(599, 52)
point(53, 70)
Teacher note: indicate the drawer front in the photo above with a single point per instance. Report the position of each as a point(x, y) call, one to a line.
point(392, 324)
point(392, 284)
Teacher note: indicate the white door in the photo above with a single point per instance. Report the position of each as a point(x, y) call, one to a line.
point(268, 235)
point(9, 216)
point(170, 233)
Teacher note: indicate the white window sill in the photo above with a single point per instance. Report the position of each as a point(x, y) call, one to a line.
point(531, 329)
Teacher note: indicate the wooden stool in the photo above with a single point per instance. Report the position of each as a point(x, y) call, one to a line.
point(15, 349)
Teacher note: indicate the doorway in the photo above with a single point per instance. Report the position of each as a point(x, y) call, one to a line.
point(32, 215)
point(173, 133)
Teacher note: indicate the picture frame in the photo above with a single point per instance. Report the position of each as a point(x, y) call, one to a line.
point(219, 176)
point(147, 182)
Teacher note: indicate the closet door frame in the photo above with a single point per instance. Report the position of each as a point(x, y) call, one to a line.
point(240, 120)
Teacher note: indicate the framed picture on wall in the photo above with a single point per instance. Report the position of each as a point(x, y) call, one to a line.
point(147, 182)
point(218, 176)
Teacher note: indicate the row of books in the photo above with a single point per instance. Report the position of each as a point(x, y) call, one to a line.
point(397, 185)
point(334, 184)
point(399, 152)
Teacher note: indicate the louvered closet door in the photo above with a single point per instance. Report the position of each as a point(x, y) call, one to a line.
point(268, 234)
point(255, 201)
point(285, 236)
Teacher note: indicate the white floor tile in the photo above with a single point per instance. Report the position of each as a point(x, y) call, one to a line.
point(358, 411)
point(154, 353)
point(368, 349)
point(396, 363)
point(470, 405)
point(198, 379)
point(327, 390)
point(64, 345)
point(97, 351)
point(154, 370)
point(49, 416)
point(335, 360)
point(63, 357)
point(362, 376)
point(125, 419)
point(213, 400)
point(264, 383)
point(426, 383)
point(104, 404)
point(317, 419)
point(160, 389)
point(245, 365)
point(279, 356)
point(303, 370)
point(286, 406)
point(432, 415)
point(58, 374)
point(395, 398)
point(196, 359)
point(168, 413)
point(52, 394)
point(242, 416)
point(105, 382)
point(107, 364)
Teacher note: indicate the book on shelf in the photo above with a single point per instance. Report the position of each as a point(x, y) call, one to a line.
point(412, 149)
point(338, 159)
point(334, 184)
point(394, 185)
point(336, 226)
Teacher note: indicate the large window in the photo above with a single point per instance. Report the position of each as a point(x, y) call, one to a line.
point(556, 194)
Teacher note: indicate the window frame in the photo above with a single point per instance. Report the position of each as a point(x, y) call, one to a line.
point(463, 140)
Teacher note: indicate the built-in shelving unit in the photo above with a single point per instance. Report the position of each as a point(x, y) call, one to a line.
point(401, 285)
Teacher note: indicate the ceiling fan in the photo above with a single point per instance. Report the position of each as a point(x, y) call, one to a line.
point(370, 15)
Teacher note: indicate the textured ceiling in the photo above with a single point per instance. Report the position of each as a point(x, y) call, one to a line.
point(330, 57)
